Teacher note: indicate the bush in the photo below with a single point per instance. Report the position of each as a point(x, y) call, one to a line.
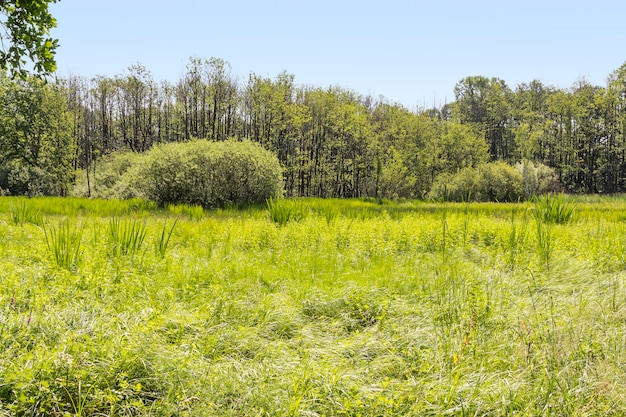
point(197, 173)
point(494, 181)
point(210, 174)
point(22, 179)
point(114, 177)
point(538, 178)
point(501, 182)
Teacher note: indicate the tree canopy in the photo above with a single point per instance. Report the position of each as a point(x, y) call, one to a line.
point(25, 34)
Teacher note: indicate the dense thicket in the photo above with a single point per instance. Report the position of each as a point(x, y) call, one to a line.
point(336, 142)
point(209, 174)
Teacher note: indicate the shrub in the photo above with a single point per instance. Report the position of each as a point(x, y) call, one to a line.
point(494, 181)
point(210, 174)
point(22, 179)
point(113, 177)
point(538, 178)
point(501, 182)
point(197, 173)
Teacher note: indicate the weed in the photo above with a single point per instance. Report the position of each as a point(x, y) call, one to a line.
point(517, 235)
point(444, 231)
point(544, 241)
point(329, 213)
point(409, 308)
point(193, 212)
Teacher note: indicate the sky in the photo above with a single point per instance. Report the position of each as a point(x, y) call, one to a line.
point(410, 52)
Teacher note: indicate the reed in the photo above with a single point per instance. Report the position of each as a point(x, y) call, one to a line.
point(125, 236)
point(24, 212)
point(64, 243)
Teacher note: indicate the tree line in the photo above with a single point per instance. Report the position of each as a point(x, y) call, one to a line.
point(331, 142)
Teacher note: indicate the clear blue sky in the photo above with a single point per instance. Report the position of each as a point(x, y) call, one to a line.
point(412, 52)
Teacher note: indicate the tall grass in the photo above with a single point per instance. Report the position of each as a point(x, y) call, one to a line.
point(64, 243)
point(283, 211)
point(544, 241)
point(550, 210)
point(518, 234)
point(193, 212)
point(74, 206)
point(554, 209)
point(25, 212)
point(162, 243)
point(397, 309)
point(126, 236)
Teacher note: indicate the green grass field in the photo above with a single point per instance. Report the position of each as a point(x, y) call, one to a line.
point(312, 308)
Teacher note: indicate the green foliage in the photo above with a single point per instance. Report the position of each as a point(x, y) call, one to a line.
point(112, 177)
point(22, 179)
point(396, 180)
point(501, 182)
point(456, 146)
point(210, 174)
point(36, 141)
point(487, 104)
point(26, 29)
point(494, 181)
point(538, 178)
point(333, 142)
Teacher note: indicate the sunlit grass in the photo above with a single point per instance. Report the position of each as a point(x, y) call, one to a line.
point(64, 243)
point(357, 308)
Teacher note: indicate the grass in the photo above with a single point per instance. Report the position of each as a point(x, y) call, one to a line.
point(63, 242)
point(356, 308)
point(283, 211)
point(126, 236)
point(554, 209)
point(161, 245)
point(22, 212)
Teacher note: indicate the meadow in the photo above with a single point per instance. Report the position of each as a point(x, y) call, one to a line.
point(313, 307)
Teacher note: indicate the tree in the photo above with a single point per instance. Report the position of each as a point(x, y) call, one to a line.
point(404, 139)
point(37, 149)
point(25, 29)
point(487, 104)
point(530, 115)
point(454, 147)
